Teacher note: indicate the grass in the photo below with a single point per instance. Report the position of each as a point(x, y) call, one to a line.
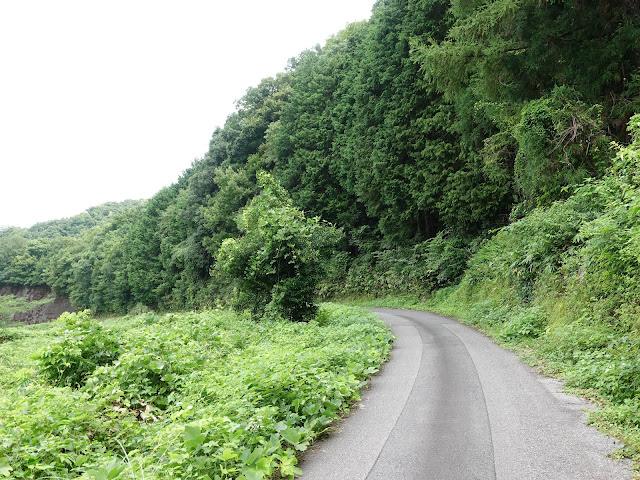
point(413, 302)
point(210, 395)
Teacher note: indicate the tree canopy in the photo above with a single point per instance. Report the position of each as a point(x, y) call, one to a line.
point(279, 258)
point(418, 132)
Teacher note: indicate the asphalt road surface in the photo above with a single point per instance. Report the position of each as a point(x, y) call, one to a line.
point(452, 405)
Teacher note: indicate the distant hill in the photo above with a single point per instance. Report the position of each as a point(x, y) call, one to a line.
point(76, 225)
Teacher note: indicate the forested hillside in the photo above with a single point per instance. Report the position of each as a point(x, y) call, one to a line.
point(418, 132)
point(76, 225)
point(27, 255)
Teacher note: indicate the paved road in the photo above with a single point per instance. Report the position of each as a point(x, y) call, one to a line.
point(452, 405)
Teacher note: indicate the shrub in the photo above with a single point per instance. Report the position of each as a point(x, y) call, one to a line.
point(278, 262)
point(83, 346)
point(529, 322)
point(148, 373)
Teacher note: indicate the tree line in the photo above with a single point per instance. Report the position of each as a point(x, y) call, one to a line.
point(418, 132)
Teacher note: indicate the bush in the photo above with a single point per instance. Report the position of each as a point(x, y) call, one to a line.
point(148, 373)
point(537, 245)
point(529, 322)
point(278, 262)
point(83, 346)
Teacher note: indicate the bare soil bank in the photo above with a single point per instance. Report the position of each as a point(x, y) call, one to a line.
point(41, 313)
point(30, 293)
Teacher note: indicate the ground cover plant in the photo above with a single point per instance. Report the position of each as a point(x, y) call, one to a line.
point(211, 395)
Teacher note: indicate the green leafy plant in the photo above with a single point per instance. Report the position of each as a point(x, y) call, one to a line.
point(191, 396)
point(529, 322)
point(278, 261)
point(148, 373)
point(83, 346)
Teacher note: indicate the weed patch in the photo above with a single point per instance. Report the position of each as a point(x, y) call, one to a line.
point(184, 396)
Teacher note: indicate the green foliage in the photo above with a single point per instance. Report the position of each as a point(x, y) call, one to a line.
point(22, 260)
point(561, 141)
point(508, 49)
point(241, 401)
point(298, 147)
point(420, 132)
point(538, 89)
point(82, 347)
point(146, 375)
point(563, 282)
point(525, 250)
point(278, 262)
point(142, 250)
point(421, 269)
point(417, 132)
point(528, 323)
point(234, 189)
point(77, 225)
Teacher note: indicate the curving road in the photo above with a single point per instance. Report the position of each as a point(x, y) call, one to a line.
point(452, 405)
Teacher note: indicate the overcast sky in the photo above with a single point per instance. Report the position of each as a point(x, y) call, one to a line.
point(112, 100)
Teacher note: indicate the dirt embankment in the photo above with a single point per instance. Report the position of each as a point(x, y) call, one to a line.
point(43, 312)
point(30, 293)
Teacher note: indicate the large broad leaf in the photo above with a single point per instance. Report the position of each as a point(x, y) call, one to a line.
point(193, 437)
point(227, 454)
point(5, 468)
point(110, 472)
point(252, 473)
point(291, 435)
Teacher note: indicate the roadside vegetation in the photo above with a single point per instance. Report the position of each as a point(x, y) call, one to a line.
point(561, 286)
point(190, 395)
point(476, 157)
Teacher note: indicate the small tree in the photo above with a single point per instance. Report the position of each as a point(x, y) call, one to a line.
point(280, 258)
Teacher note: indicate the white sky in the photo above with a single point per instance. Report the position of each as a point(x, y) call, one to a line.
point(110, 100)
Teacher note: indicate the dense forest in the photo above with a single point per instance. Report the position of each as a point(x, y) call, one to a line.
point(418, 133)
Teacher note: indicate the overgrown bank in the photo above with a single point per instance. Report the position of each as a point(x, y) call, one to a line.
point(184, 396)
point(562, 287)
